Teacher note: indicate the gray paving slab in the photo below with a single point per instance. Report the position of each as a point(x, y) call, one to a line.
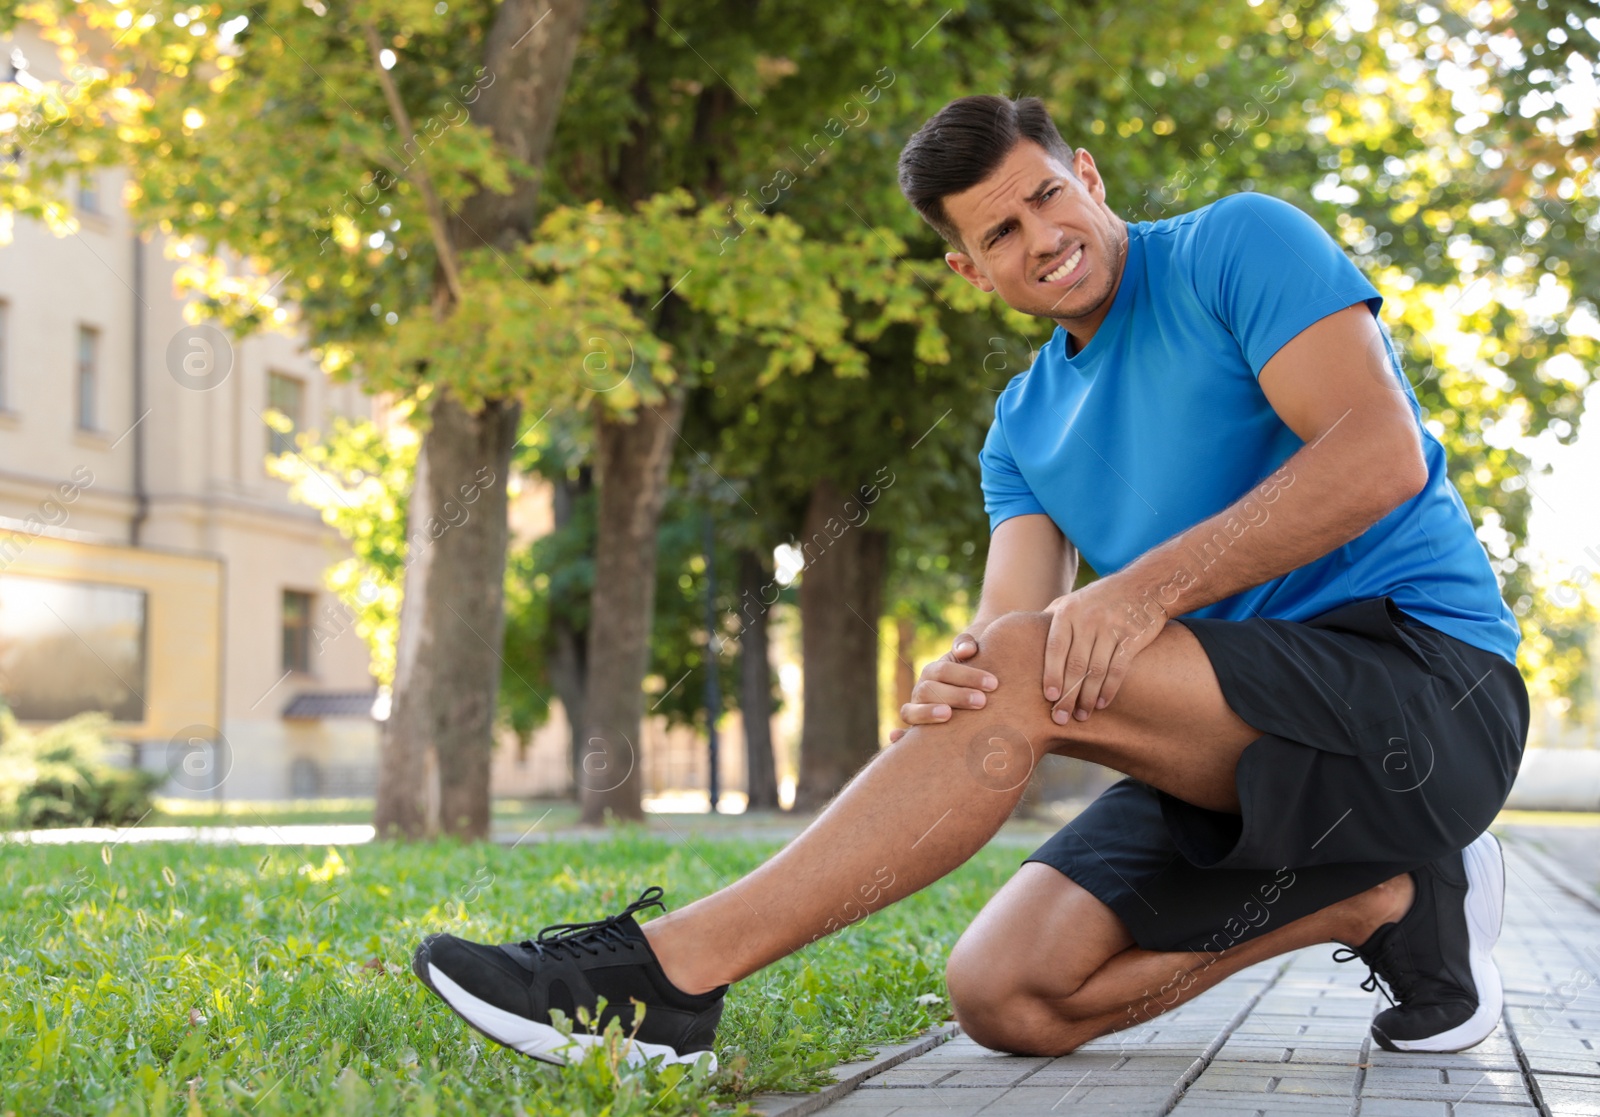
point(1291, 1036)
point(1574, 1099)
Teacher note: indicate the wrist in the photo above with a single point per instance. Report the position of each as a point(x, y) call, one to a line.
point(1151, 599)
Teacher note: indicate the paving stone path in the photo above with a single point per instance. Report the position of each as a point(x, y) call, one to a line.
point(1290, 1037)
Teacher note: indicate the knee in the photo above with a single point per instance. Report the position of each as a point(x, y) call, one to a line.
point(1002, 1016)
point(1017, 1027)
point(1013, 643)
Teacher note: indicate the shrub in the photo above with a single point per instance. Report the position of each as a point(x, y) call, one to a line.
point(59, 776)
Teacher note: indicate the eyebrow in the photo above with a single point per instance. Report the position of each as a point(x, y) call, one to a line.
point(1038, 192)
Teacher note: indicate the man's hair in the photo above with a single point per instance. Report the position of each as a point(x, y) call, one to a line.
point(963, 143)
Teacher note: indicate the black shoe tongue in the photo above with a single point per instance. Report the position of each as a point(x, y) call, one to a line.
point(629, 928)
point(519, 954)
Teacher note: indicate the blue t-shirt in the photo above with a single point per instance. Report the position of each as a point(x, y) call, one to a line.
point(1159, 423)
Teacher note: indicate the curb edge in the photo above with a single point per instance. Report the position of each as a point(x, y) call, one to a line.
point(848, 1076)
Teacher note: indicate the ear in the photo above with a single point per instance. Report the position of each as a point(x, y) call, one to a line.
point(964, 266)
point(1083, 166)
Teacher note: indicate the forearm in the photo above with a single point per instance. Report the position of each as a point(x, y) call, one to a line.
point(1304, 510)
point(1018, 596)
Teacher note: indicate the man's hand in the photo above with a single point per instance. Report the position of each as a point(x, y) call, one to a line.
point(946, 683)
point(1094, 634)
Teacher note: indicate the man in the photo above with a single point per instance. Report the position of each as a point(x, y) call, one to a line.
point(1296, 650)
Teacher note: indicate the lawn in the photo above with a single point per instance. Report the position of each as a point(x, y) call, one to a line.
point(178, 979)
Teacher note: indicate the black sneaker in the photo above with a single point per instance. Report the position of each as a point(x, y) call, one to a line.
point(1444, 986)
point(508, 992)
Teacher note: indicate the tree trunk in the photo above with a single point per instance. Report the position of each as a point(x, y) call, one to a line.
point(841, 597)
point(569, 653)
point(631, 460)
point(401, 810)
point(529, 56)
point(447, 668)
point(755, 686)
point(452, 623)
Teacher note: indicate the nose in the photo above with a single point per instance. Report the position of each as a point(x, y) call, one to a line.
point(1044, 239)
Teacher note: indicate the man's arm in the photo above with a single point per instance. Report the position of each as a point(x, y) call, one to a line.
point(1333, 386)
point(1030, 564)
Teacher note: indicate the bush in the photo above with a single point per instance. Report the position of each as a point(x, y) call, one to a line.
point(59, 776)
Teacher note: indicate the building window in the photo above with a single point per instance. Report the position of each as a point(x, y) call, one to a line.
point(88, 378)
point(296, 631)
point(70, 647)
point(286, 395)
point(88, 192)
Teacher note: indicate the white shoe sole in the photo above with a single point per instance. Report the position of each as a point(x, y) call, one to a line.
point(1485, 908)
point(541, 1041)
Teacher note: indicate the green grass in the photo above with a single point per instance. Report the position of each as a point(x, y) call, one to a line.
point(178, 979)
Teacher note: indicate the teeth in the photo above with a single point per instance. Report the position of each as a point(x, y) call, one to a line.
point(1066, 268)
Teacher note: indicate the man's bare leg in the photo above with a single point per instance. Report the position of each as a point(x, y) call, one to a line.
point(1046, 967)
point(930, 801)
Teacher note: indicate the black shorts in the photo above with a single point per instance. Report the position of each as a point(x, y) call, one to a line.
point(1385, 745)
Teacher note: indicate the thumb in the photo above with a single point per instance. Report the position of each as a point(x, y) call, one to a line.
point(964, 646)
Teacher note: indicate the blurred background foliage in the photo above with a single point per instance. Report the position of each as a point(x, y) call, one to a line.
point(808, 318)
point(64, 775)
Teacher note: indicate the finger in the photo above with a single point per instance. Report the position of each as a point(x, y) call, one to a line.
point(895, 735)
point(1075, 670)
point(1056, 647)
point(1105, 646)
point(965, 647)
point(959, 697)
point(924, 713)
point(959, 674)
point(1114, 676)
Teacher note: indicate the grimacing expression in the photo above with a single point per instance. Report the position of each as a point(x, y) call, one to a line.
point(1040, 236)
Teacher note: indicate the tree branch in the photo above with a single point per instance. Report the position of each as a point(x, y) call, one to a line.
point(430, 197)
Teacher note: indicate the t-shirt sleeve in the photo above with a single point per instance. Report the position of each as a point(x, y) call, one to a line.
point(1005, 491)
point(1267, 270)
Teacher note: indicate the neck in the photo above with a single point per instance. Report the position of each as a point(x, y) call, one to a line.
point(1081, 329)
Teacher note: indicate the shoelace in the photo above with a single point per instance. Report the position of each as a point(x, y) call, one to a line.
point(1379, 965)
point(591, 937)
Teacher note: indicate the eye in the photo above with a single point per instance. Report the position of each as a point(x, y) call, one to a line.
point(1050, 193)
point(998, 237)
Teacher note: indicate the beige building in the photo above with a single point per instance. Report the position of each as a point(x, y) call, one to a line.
point(134, 491)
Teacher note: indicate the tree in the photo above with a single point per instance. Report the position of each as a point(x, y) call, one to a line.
point(452, 616)
point(755, 687)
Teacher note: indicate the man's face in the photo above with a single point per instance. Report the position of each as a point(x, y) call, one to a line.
point(1041, 237)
